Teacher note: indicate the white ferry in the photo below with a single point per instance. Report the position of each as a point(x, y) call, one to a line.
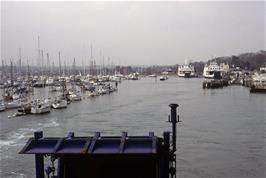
point(186, 71)
point(212, 71)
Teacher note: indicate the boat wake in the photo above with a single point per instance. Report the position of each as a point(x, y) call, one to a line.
point(18, 138)
point(13, 138)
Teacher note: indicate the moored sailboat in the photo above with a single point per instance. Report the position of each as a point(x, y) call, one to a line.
point(59, 103)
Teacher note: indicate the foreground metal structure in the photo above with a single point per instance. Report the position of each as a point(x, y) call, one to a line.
point(106, 156)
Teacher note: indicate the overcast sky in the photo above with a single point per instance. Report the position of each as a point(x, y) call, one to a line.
point(138, 33)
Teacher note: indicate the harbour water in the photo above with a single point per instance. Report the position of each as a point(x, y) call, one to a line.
point(222, 133)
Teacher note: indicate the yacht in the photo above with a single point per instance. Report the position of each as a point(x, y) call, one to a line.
point(39, 107)
point(153, 75)
point(40, 83)
point(134, 76)
point(56, 88)
point(186, 71)
point(59, 104)
point(23, 110)
point(163, 78)
point(212, 71)
point(93, 94)
point(74, 96)
point(2, 106)
point(14, 104)
point(116, 78)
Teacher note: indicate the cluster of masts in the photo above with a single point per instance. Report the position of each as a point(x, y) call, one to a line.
point(46, 67)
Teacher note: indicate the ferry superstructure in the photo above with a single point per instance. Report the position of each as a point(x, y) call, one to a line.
point(213, 70)
point(186, 71)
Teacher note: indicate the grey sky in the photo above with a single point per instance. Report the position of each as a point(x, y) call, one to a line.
point(132, 32)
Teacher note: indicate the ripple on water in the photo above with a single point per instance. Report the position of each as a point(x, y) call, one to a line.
point(17, 138)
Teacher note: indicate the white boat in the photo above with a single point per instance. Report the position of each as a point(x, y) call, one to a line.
point(258, 83)
point(186, 71)
point(49, 81)
point(103, 91)
point(106, 89)
point(163, 77)
point(116, 78)
point(59, 104)
point(48, 101)
point(134, 76)
point(153, 75)
point(212, 71)
point(75, 96)
point(39, 107)
point(16, 96)
point(56, 88)
point(14, 104)
point(2, 106)
point(93, 94)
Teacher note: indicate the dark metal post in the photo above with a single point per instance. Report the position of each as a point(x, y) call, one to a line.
point(39, 163)
point(166, 138)
point(174, 121)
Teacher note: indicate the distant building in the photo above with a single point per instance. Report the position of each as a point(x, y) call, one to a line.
point(224, 67)
point(263, 69)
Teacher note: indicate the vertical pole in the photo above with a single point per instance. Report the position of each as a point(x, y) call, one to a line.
point(166, 138)
point(39, 163)
point(174, 121)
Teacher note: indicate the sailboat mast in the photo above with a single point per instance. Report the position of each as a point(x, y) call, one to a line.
point(53, 68)
point(84, 69)
point(19, 62)
point(48, 64)
point(59, 63)
point(11, 68)
point(42, 64)
point(39, 51)
point(74, 67)
point(2, 69)
point(91, 61)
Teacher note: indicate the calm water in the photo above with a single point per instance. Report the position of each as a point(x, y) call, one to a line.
point(222, 133)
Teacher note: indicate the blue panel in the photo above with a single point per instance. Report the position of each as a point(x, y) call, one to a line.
point(138, 146)
point(107, 146)
point(41, 146)
point(72, 146)
point(100, 145)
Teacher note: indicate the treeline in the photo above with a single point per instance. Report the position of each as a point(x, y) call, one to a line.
point(246, 61)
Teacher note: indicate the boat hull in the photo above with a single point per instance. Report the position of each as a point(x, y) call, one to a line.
point(61, 105)
point(256, 89)
point(40, 110)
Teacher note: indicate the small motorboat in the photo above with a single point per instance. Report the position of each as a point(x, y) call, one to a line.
point(14, 104)
point(74, 96)
point(23, 111)
point(59, 104)
point(2, 106)
point(163, 78)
